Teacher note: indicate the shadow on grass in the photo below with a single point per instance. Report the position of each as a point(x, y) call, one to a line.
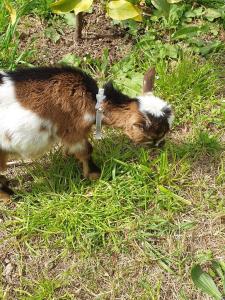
point(114, 154)
point(140, 189)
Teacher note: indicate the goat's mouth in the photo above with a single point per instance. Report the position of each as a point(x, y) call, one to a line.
point(160, 143)
point(155, 143)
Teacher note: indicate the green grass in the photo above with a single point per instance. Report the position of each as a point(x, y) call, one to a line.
point(143, 200)
point(211, 3)
point(37, 7)
point(133, 187)
point(10, 56)
point(136, 232)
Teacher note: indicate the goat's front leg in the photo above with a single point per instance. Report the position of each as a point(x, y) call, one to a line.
point(82, 150)
point(5, 191)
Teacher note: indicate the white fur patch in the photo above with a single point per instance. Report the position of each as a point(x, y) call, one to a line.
point(89, 118)
point(152, 104)
point(76, 148)
point(170, 120)
point(159, 141)
point(21, 130)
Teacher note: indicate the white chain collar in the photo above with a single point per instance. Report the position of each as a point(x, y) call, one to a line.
point(99, 113)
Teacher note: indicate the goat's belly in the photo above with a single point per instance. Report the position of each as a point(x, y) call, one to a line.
point(24, 133)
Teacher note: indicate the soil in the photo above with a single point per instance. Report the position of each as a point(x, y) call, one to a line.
point(98, 34)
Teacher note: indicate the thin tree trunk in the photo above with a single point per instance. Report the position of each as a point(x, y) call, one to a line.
point(78, 29)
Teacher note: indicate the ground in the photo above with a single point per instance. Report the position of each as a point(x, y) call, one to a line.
point(97, 34)
point(154, 213)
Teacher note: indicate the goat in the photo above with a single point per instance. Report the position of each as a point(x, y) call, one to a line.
point(42, 106)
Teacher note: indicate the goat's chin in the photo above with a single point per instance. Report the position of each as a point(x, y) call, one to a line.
point(151, 143)
point(160, 144)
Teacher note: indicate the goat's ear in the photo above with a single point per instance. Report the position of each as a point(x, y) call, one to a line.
point(148, 81)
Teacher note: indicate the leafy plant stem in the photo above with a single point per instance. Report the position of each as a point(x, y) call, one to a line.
point(78, 29)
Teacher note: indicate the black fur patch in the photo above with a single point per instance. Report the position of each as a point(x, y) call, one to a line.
point(1, 78)
point(92, 167)
point(159, 125)
point(167, 111)
point(115, 97)
point(7, 190)
point(45, 73)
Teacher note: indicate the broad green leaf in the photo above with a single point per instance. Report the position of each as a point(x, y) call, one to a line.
point(217, 267)
point(123, 10)
point(192, 13)
point(171, 51)
point(222, 264)
point(138, 18)
point(203, 281)
point(135, 2)
point(71, 59)
point(198, 11)
point(64, 5)
point(174, 1)
point(186, 32)
point(83, 5)
point(163, 6)
point(11, 10)
point(78, 6)
point(70, 19)
point(212, 14)
point(210, 47)
point(52, 34)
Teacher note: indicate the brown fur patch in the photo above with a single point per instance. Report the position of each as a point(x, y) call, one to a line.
point(128, 118)
point(148, 81)
point(64, 95)
point(63, 99)
point(4, 197)
point(134, 123)
point(3, 160)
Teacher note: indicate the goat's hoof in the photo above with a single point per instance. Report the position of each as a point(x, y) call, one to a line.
point(3, 181)
point(5, 191)
point(5, 197)
point(94, 175)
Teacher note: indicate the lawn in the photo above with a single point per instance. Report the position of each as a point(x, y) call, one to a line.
point(155, 213)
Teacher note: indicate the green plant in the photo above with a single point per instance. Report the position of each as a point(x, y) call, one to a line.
point(9, 39)
point(98, 68)
point(205, 282)
point(118, 10)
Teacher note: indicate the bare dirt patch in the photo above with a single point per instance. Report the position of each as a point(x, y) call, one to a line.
point(98, 33)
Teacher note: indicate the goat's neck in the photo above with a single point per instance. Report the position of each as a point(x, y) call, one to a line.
point(118, 116)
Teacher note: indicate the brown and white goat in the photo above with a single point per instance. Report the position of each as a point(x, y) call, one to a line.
point(42, 106)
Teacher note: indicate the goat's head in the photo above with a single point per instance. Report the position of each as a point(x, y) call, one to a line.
point(154, 118)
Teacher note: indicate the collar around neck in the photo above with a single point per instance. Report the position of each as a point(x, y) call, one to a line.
point(99, 113)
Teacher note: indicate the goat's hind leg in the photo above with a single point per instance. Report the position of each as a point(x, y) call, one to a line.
point(82, 150)
point(5, 191)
